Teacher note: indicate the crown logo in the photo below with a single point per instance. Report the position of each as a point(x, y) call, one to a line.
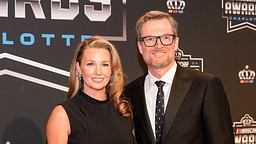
point(247, 120)
point(178, 54)
point(175, 6)
point(246, 75)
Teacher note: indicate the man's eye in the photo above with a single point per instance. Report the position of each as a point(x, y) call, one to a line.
point(166, 37)
point(150, 39)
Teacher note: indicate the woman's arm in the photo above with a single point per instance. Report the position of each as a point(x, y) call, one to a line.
point(58, 127)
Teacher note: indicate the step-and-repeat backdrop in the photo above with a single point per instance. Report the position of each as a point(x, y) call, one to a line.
point(39, 37)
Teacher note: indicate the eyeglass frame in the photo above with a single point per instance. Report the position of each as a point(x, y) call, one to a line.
point(159, 37)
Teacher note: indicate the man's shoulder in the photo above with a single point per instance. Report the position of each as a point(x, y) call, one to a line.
point(135, 83)
point(198, 74)
point(131, 89)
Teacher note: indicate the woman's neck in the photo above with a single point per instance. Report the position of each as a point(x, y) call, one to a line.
point(96, 94)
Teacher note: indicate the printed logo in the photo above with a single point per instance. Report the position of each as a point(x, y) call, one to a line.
point(57, 12)
point(176, 6)
point(245, 130)
point(20, 11)
point(67, 14)
point(246, 75)
point(187, 61)
point(240, 14)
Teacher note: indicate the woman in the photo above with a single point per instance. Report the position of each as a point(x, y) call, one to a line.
point(96, 111)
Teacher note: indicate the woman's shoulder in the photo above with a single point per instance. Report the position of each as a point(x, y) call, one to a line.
point(58, 120)
point(59, 112)
point(75, 101)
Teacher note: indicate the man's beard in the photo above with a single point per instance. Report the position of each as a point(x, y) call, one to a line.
point(153, 64)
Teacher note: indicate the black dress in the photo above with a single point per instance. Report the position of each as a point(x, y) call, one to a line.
point(96, 122)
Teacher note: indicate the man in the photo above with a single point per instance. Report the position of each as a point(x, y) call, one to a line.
point(186, 106)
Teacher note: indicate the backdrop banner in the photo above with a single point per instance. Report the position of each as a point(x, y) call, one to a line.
point(39, 37)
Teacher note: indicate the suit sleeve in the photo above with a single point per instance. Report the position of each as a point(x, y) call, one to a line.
point(216, 114)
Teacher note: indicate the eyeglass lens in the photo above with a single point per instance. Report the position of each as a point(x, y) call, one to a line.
point(151, 41)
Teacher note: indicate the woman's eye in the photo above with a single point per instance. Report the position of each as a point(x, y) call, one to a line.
point(89, 64)
point(106, 65)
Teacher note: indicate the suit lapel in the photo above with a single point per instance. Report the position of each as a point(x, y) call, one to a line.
point(181, 85)
point(142, 112)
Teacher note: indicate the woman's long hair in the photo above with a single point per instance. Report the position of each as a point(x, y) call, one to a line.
point(116, 83)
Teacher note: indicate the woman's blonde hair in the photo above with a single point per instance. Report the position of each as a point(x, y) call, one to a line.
point(116, 83)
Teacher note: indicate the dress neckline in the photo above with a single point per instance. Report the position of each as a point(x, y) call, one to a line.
point(91, 99)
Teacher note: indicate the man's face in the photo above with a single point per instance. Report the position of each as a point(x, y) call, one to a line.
point(158, 56)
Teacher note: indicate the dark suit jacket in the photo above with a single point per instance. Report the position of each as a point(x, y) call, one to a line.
point(197, 111)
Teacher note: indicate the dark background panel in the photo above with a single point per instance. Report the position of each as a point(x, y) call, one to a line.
point(25, 106)
point(25, 109)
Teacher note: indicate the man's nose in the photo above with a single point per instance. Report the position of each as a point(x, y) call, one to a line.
point(158, 43)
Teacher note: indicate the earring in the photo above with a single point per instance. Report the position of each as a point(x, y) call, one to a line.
point(79, 76)
point(112, 78)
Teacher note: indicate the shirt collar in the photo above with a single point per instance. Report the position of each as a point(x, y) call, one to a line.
point(167, 78)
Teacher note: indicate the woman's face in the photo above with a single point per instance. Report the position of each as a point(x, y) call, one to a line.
point(95, 67)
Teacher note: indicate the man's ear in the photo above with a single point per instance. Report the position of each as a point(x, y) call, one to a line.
point(176, 43)
point(139, 44)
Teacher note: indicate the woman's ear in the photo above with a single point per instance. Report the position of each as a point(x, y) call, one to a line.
point(78, 67)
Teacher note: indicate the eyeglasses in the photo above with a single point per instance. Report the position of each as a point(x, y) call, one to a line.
point(151, 41)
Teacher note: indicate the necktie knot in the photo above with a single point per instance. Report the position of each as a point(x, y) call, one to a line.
point(159, 84)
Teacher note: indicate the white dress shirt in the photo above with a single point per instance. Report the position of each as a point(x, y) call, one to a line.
point(150, 90)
